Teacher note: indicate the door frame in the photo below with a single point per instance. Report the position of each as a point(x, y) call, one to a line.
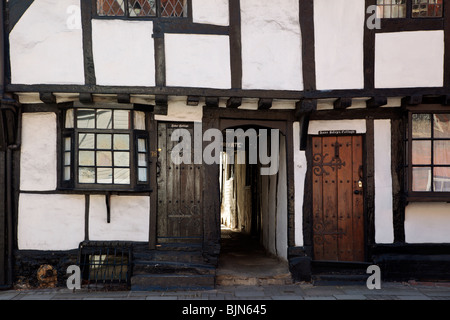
point(222, 118)
point(368, 191)
point(364, 180)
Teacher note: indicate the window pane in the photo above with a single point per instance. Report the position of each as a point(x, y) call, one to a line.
point(121, 159)
point(421, 152)
point(86, 118)
point(104, 119)
point(173, 8)
point(110, 7)
point(86, 141)
point(86, 158)
point(421, 179)
point(441, 179)
point(69, 118)
point(104, 141)
point(442, 152)
point(142, 145)
point(67, 158)
point(142, 161)
point(104, 158)
point(67, 144)
point(421, 125)
point(121, 119)
point(139, 120)
point(121, 142)
point(86, 175)
point(142, 8)
point(142, 174)
point(104, 175)
point(66, 173)
point(442, 125)
point(121, 176)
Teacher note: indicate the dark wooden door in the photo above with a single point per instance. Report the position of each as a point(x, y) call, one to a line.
point(338, 207)
point(179, 190)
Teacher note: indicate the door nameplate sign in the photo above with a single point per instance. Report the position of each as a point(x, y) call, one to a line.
point(336, 132)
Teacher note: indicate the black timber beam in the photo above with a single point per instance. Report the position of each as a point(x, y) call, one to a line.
point(234, 102)
point(376, 102)
point(47, 97)
point(343, 103)
point(265, 104)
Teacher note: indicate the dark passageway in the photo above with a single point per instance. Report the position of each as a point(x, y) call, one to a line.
point(244, 261)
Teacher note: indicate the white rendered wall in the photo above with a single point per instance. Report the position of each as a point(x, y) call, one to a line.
point(300, 166)
point(427, 223)
point(271, 45)
point(130, 218)
point(50, 222)
point(123, 52)
point(384, 228)
point(194, 60)
point(339, 39)
point(211, 12)
point(44, 48)
point(409, 59)
point(38, 167)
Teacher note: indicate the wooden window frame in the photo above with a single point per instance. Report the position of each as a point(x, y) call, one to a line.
point(73, 184)
point(158, 16)
point(422, 196)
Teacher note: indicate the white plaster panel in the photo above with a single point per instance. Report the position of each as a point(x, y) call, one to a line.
point(384, 228)
point(409, 59)
point(38, 161)
point(315, 126)
point(130, 218)
point(300, 167)
point(427, 222)
point(198, 61)
point(46, 44)
point(339, 42)
point(211, 12)
point(123, 52)
point(50, 221)
point(178, 110)
point(282, 195)
point(271, 45)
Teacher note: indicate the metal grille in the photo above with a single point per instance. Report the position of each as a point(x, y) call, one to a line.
point(105, 264)
point(173, 8)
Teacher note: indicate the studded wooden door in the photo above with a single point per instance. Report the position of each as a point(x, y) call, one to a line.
point(338, 207)
point(179, 189)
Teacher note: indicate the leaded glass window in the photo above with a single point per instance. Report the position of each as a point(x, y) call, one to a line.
point(142, 8)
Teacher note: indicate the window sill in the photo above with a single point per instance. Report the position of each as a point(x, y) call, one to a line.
point(429, 198)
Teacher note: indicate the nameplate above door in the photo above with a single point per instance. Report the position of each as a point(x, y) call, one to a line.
point(336, 132)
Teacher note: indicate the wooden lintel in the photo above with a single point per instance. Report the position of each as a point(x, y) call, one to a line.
point(86, 98)
point(212, 102)
point(412, 100)
point(234, 102)
point(446, 100)
point(343, 103)
point(162, 100)
point(47, 97)
point(123, 98)
point(193, 100)
point(304, 106)
point(265, 103)
point(376, 102)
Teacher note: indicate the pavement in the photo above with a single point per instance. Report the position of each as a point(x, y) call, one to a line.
point(291, 292)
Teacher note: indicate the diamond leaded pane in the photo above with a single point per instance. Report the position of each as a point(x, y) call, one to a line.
point(142, 8)
point(110, 8)
point(173, 8)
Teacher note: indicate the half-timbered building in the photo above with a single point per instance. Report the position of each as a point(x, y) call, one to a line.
point(92, 92)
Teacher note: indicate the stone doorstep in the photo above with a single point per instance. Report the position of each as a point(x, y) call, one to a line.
point(235, 280)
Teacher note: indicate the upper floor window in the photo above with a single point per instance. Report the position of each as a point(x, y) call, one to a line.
point(429, 156)
point(390, 9)
point(142, 8)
